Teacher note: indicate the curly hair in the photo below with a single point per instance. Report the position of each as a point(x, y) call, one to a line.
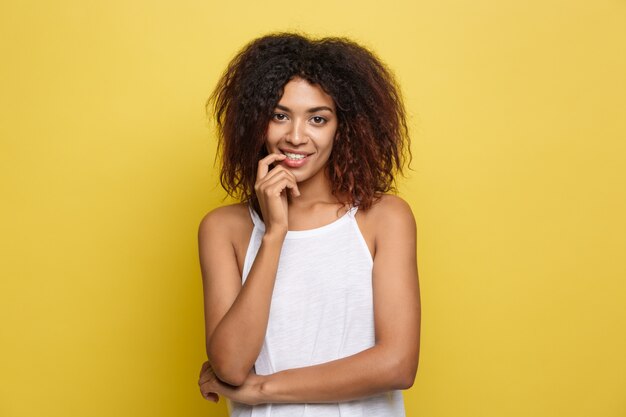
point(372, 140)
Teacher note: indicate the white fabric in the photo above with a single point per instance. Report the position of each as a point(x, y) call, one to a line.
point(321, 310)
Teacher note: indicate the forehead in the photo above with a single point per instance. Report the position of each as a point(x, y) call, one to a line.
point(298, 92)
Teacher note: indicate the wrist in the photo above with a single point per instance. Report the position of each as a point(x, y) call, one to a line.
point(270, 390)
point(260, 390)
point(274, 237)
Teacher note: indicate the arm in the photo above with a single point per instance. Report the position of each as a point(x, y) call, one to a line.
point(392, 362)
point(236, 316)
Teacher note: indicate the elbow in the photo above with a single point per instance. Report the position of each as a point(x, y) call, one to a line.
point(406, 379)
point(403, 374)
point(227, 370)
point(231, 376)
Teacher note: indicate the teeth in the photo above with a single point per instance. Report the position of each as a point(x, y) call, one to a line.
point(295, 156)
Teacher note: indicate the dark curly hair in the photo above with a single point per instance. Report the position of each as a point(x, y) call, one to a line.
point(372, 140)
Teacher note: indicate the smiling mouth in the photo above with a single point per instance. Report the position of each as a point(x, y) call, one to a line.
point(295, 156)
point(295, 159)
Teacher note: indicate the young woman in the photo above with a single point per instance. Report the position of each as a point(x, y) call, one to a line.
point(310, 283)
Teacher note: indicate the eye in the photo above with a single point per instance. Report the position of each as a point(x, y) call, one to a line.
point(318, 120)
point(279, 117)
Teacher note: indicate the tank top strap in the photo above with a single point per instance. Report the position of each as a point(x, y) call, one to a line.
point(258, 223)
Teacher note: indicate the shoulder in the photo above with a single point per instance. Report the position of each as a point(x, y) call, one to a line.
point(388, 221)
point(390, 211)
point(225, 220)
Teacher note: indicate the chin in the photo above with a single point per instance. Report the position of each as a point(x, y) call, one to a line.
point(301, 177)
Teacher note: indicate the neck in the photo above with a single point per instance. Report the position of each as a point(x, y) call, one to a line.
point(313, 191)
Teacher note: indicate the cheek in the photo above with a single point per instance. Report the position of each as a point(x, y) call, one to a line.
point(330, 141)
point(270, 139)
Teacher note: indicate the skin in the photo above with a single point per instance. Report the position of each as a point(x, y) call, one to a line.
point(299, 198)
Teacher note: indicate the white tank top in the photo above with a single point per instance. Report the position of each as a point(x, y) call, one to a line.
point(321, 310)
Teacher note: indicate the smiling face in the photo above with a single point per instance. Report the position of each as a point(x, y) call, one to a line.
point(303, 127)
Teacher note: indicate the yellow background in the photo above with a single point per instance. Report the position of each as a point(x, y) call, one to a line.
point(518, 116)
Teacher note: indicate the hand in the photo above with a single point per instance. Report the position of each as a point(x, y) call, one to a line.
point(271, 190)
point(211, 387)
point(206, 381)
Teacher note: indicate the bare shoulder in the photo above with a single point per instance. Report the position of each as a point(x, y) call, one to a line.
point(225, 221)
point(391, 203)
point(225, 231)
point(391, 211)
point(388, 220)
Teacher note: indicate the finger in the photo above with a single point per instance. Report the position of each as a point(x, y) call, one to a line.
point(208, 376)
point(264, 164)
point(211, 396)
point(278, 170)
point(205, 366)
point(295, 191)
point(274, 177)
point(277, 186)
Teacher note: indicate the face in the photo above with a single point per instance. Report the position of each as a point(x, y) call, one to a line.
point(303, 127)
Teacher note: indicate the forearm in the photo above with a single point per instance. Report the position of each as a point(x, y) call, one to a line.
point(370, 372)
point(236, 342)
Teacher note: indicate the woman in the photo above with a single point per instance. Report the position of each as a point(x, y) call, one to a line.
point(310, 283)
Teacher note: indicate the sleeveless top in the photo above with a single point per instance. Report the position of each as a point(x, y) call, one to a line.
point(321, 310)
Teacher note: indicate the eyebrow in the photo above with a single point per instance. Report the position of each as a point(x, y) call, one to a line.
point(311, 110)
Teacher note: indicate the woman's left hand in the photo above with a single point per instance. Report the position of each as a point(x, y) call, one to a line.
point(206, 382)
point(211, 387)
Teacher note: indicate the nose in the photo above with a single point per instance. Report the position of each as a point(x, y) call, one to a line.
point(297, 134)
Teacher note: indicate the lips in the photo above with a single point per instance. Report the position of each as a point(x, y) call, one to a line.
point(295, 156)
point(295, 159)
